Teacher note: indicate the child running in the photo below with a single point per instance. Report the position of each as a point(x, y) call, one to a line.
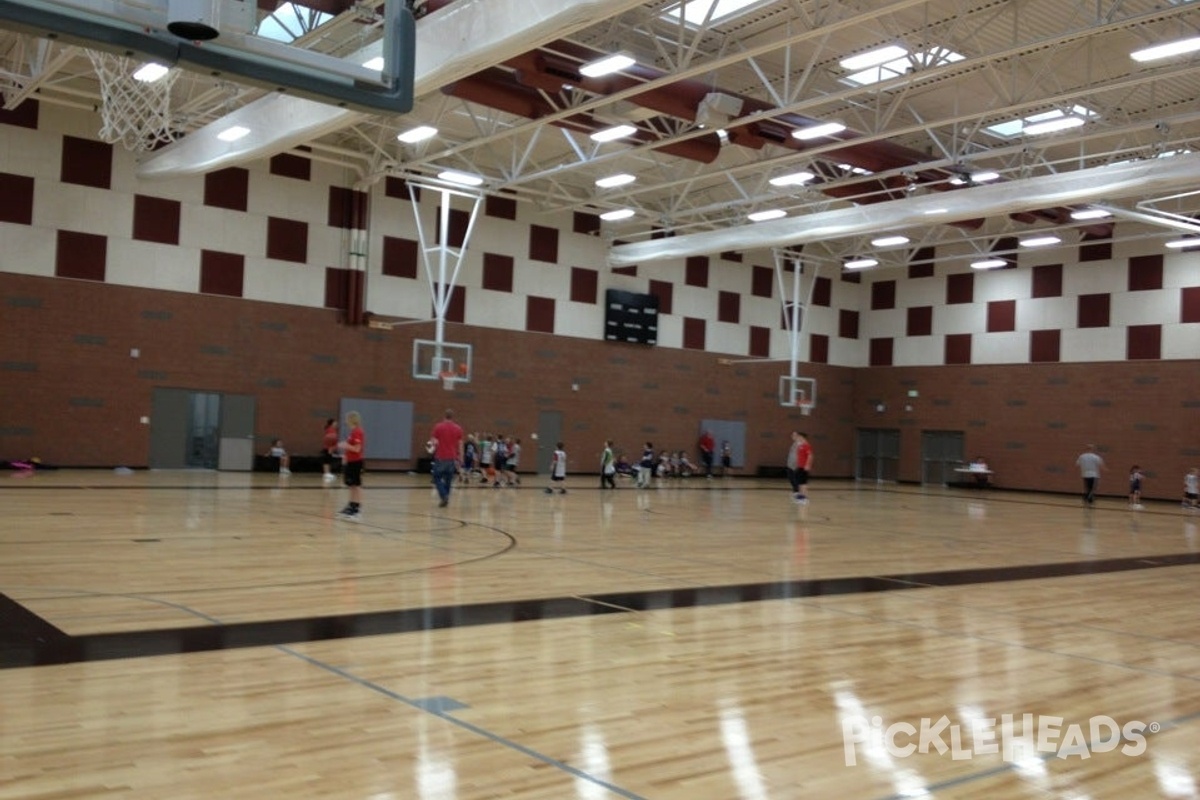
point(558, 471)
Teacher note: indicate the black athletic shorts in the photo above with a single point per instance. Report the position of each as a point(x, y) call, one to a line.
point(352, 473)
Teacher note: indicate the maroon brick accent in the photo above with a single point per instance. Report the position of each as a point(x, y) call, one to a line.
point(1044, 345)
point(732, 255)
point(1143, 342)
point(664, 291)
point(960, 288)
point(693, 333)
point(630, 271)
point(86, 162)
point(585, 285)
point(223, 273)
point(1094, 310)
point(288, 165)
point(81, 255)
point(339, 284)
point(822, 294)
point(760, 342)
point(920, 270)
point(287, 239)
point(347, 208)
point(883, 295)
point(920, 321)
point(500, 207)
point(762, 281)
point(543, 244)
point(398, 188)
point(1093, 247)
point(958, 348)
point(401, 257)
point(456, 311)
point(881, 352)
point(1001, 316)
point(847, 324)
point(587, 224)
point(539, 314)
point(696, 271)
point(23, 116)
point(497, 272)
point(789, 309)
point(921, 263)
point(1047, 281)
point(818, 348)
point(1146, 273)
point(851, 276)
point(227, 188)
point(459, 221)
point(16, 198)
point(729, 307)
point(156, 219)
point(1189, 304)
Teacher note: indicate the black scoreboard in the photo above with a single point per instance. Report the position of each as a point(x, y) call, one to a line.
point(630, 317)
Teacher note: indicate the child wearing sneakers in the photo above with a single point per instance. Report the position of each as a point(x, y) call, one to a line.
point(558, 470)
point(1135, 488)
point(1191, 489)
point(278, 452)
point(352, 459)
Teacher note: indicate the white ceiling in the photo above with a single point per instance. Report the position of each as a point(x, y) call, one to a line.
point(515, 124)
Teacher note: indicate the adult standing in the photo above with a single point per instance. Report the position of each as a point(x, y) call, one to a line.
point(707, 448)
point(1090, 466)
point(447, 454)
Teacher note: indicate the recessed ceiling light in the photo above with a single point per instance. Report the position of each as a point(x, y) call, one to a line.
point(792, 179)
point(1040, 241)
point(417, 134)
point(615, 180)
point(1167, 50)
point(151, 72)
point(232, 134)
point(1090, 213)
point(989, 263)
point(770, 213)
point(607, 65)
point(461, 178)
point(615, 132)
point(860, 263)
point(618, 214)
point(817, 131)
point(1179, 244)
point(889, 241)
point(873, 58)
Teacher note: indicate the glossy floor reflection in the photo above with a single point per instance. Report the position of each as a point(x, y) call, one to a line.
point(223, 636)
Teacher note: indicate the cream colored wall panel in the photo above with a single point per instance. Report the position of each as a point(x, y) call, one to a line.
point(27, 250)
point(583, 320)
point(399, 297)
point(1092, 344)
point(497, 310)
point(1007, 284)
point(692, 301)
point(1095, 278)
point(537, 279)
point(1046, 312)
point(32, 153)
point(208, 228)
point(918, 351)
point(848, 352)
point(1010, 347)
point(892, 322)
point(921, 292)
point(152, 266)
point(670, 331)
point(726, 339)
point(960, 318)
point(83, 209)
point(728, 276)
point(188, 189)
point(277, 196)
point(282, 282)
point(1181, 269)
point(1145, 308)
point(1181, 341)
point(328, 247)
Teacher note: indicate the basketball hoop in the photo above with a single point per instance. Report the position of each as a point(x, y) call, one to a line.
point(135, 113)
point(447, 381)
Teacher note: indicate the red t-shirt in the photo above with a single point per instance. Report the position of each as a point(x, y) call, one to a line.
point(331, 438)
point(355, 438)
point(448, 436)
point(804, 455)
point(706, 443)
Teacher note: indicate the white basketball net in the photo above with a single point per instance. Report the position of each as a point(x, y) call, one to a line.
point(137, 114)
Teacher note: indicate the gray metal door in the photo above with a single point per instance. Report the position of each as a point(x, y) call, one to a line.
point(877, 455)
point(170, 420)
point(549, 433)
point(236, 440)
point(941, 454)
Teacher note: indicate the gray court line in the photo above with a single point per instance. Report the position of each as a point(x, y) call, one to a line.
point(475, 729)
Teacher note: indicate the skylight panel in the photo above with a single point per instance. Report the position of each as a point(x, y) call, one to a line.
point(695, 12)
point(288, 22)
point(1038, 122)
point(933, 57)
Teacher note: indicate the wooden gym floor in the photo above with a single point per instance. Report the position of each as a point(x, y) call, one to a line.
point(205, 635)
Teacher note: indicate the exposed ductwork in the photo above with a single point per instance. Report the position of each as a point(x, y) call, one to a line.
point(1109, 182)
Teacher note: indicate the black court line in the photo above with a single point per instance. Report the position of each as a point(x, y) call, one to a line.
point(27, 640)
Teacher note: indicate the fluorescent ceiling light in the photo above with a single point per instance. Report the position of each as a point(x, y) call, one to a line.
point(607, 65)
point(873, 58)
point(770, 213)
point(1040, 241)
point(989, 263)
point(1179, 244)
point(1167, 50)
point(615, 132)
point(855, 170)
point(1052, 125)
point(620, 213)
point(984, 177)
point(232, 134)
point(860, 263)
point(417, 134)
point(1090, 213)
point(462, 178)
point(151, 72)
point(890, 241)
point(792, 179)
point(374, 63)
point(933, 211)
point(615, 180)
point(817, 131)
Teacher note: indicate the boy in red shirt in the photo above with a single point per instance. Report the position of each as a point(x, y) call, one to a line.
point(352, 459)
